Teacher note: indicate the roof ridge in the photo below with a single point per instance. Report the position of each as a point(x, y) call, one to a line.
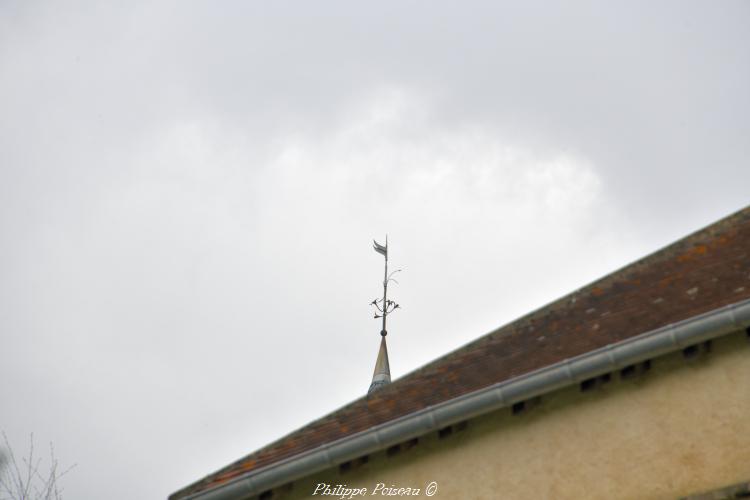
point(743, 213)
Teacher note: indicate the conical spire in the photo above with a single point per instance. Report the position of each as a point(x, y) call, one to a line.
point(382, 374)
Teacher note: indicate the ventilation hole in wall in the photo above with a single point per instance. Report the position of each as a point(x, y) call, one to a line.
point(636, 370)
point(595, 382)
point(445, 432)
point(690, 352)
point(526, 405)
point(410, 444)
point(461, 426)
point(696, 350)
point(742, 494)
point(393, 450)
point(518, 408)
point(747, 332)
point(588, 384)
point(353, 464)
point(628, 372)
point(266, 495)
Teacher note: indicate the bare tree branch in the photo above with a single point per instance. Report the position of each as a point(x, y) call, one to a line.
point(25, 480)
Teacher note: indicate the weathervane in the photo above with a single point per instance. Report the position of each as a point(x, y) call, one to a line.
point(384, 306)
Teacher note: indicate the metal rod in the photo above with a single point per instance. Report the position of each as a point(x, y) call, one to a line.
point(384, 332)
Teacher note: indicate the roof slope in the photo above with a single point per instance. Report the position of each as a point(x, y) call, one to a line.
point(701, 272)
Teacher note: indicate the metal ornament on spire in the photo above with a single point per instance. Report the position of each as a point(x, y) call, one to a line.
point(384, 306)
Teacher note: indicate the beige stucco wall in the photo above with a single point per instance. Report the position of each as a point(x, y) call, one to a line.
point(682, 428)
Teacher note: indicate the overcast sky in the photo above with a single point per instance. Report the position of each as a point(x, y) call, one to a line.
point(189, 191)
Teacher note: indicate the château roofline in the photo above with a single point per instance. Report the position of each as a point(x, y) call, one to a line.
point(612, 357)
point(699, 274)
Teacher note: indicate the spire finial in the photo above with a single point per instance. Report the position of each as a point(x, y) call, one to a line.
point(382, 374)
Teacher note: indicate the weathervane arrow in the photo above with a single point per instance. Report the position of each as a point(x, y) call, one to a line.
point(380, 248)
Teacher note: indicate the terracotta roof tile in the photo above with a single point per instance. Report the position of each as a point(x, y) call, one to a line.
point(699, 273)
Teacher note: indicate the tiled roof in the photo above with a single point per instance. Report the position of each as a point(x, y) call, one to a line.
point(701, 272)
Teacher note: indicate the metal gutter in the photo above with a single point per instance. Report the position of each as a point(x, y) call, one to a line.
point(612, 357)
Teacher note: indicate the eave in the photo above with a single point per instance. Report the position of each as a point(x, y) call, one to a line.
point(648, 345)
